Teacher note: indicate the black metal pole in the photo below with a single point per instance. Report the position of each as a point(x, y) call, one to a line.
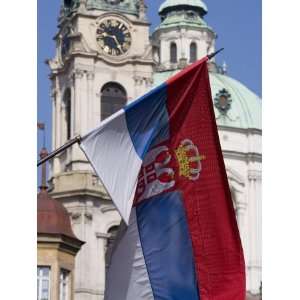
point(210, 56)
point(76, 139)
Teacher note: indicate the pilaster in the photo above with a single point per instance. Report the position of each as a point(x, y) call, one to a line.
point(56, 94)
point(55, 162)
point(72, 88)
point(90, 87)
point(254, 230)
point(78, 76)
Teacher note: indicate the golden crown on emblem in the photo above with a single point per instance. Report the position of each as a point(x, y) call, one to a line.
point(189, 160)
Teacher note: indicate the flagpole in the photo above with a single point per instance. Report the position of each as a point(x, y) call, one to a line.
point(76, 139)
point(210, 56)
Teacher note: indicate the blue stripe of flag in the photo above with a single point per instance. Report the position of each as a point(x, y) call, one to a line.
point(152, 115)
point(167, 247)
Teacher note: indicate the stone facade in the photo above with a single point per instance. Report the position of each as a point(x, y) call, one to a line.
point(50, 253)
point(82, 68)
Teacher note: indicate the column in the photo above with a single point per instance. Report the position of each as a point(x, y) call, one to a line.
point(78, 75)
point(79, 118)
point(258, 193)
point(78, 228)
point(101, 250)
point(90, 99)
point(72, 88)
point(241, 207)
point(254, 231)
point(57, 112)
point(84, 103)
point(53, 137)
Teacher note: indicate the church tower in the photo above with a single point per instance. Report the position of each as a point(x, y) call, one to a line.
point(103, 61)
point(182, 36)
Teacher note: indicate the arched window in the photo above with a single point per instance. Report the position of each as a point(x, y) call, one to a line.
point(173, 53)
point(112, 233)
point(193, 52)
point(113, 98)
point(67, 114)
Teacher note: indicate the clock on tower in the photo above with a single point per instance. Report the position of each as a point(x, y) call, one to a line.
point(113, 37)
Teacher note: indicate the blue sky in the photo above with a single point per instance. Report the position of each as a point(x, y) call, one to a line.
point(237, 23)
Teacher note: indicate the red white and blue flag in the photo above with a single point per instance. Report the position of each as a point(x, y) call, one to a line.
point(161, 162)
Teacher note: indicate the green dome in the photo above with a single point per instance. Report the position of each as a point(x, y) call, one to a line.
point(244, 108)
point(169, 4)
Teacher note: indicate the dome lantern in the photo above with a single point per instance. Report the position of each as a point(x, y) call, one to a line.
point(177, 5)
point(179, 14)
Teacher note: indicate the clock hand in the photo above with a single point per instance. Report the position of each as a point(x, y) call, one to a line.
point(118, 43)
point(105, 34)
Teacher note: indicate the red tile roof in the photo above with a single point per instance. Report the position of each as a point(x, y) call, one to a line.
point(52, 216)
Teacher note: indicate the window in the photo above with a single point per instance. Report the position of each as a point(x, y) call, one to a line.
point(193, 52)
point(64, 284)
point(112, 236)
point(173, 53)
point(156, 54)
point(112, 233)
point(113, 98)
point(43, 283)
point(68, 3)
point(67, 114)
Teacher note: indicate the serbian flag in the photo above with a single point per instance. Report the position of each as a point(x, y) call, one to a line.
point(161, 162)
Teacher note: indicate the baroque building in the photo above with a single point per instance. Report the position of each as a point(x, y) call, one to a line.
point(105, 57)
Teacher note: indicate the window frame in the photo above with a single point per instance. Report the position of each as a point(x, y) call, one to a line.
point(67, 113)
point(40, 280)
point(64, 284)
point(111, 102)
point(112, 233)
point(173, 53)
point(193, 46)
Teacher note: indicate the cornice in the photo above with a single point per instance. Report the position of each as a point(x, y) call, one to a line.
point(162, 30)
point(103, 13)
point(130, 60)
point(250, 156)
point(81, 192)
point(60, 242)
point(246, 131)
point(89, 291)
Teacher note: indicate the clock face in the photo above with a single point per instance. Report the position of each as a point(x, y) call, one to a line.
point(113, 37)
